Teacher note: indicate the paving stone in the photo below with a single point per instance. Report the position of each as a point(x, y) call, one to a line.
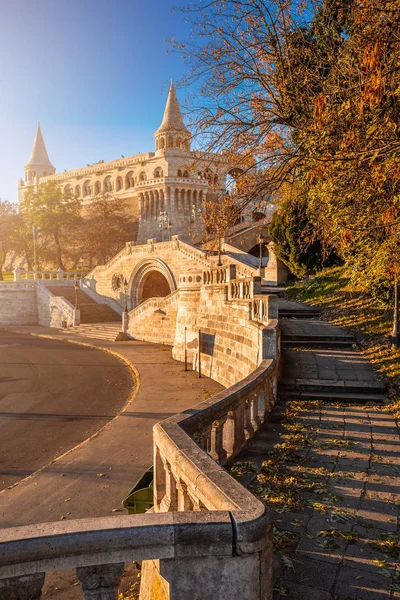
point(361, 585)
point(311, 573)
point(313, 549)
point(294, 591)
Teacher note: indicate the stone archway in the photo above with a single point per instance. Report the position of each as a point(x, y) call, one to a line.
point(151, 278)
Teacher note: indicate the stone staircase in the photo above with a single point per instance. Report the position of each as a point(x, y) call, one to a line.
point(320, 361)
point(98, 321)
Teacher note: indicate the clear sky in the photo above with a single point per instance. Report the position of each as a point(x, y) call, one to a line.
point(95, 74)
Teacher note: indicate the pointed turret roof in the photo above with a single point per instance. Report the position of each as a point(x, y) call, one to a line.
point(39, 156)
point(172, 115)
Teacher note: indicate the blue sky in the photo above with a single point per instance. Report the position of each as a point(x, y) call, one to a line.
point(93, 72)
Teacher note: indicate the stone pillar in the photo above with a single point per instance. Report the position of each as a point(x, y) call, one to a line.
point(217, 451)
point(17, 274)
point(125, 322)
point(184, 501)
point(248, 425)
point(170, 501)
point(100, 582)
point(27, 587)
point(76, 317)
point(60, 274)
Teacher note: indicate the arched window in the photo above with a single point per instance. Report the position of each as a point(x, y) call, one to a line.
point(67, 190)
point(185, 173)
point(179, 173)
point(142, 176)
point(178, 142)
point(97, 187)
point(119, 184)
point(107, 184)
point(157, 144)
point(215, 179)
point(158, 173)
point(33, 174)
point(162, 143)
point(78, 191)
point(86, 189)
point(170, 142)
point(129, 181)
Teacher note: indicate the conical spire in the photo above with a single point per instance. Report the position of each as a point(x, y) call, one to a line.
point(173, 119)
point(39, 156)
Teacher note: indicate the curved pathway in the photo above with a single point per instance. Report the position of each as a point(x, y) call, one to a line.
point(52, 397)
point(93, 478)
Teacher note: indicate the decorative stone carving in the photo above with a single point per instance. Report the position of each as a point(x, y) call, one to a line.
point(100, 582)
point(28, 587)
point(117, 281)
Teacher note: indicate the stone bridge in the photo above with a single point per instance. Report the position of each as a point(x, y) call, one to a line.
point(153, 270)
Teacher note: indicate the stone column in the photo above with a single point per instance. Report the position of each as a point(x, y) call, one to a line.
point(217, 451)
point(170, 501)
point(184, 501)
point(100, 582)
point(60, 274)
point(27, 587)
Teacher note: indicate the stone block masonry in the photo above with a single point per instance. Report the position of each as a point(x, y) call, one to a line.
point(18, 304)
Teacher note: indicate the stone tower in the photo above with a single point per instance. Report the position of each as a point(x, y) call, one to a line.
point(38, 165)
point(172, 132)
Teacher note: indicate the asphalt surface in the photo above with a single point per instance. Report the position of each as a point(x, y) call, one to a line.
point(95, 476)
point(53, 395)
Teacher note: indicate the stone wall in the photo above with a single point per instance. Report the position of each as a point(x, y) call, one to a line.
point(18, 304)
point(155, 320)
point(54, 311)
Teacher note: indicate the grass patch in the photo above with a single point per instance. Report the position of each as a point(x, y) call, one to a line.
point(351, 306)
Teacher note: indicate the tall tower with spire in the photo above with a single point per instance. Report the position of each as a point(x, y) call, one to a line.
point(39, 164)
point(172, 133)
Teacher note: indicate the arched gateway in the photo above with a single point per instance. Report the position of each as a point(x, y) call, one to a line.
point(151, 278)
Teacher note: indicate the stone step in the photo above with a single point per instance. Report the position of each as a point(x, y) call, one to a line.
point(311, 342)
point(333, 397)
point(109, 332)
point(332, 386)
point(90, 310)
point(297, 314)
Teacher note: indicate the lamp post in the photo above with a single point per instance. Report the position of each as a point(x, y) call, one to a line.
point(395, 335)
point(35, 230)
point(261, 241)
point(163, 222)
point(76, 288)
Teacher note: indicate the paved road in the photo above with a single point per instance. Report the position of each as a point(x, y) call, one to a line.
point(53, 396)
point(93, 479)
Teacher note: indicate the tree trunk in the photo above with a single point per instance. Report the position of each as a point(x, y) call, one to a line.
point(60, 263)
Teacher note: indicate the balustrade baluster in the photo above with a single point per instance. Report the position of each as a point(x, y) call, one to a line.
point(248, 425)
point(217, 450)
point(170, 501)
point(100, 582)
point(27, 587)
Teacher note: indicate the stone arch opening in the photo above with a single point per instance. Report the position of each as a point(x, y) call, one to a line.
point(255, 251)
point(152, 278)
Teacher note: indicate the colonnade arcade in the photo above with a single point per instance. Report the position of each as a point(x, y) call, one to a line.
point(180, 201)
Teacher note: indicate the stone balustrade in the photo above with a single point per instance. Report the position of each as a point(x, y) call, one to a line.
point(55, 311)
point(59, 275)
point(155, 304)
point(244, 288)
point(203, 520)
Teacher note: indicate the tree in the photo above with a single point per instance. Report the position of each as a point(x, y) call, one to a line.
point(218, 214)
point(56, 213)
point(311, 91)
point(105, 228)
point(295, 237)
point(7, 228)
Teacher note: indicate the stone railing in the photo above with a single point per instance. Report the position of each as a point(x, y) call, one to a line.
point(244, 288)
point(13, 286)
point(203, 521)
point(59, 275)
point(55, 311)
point(154, 303)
